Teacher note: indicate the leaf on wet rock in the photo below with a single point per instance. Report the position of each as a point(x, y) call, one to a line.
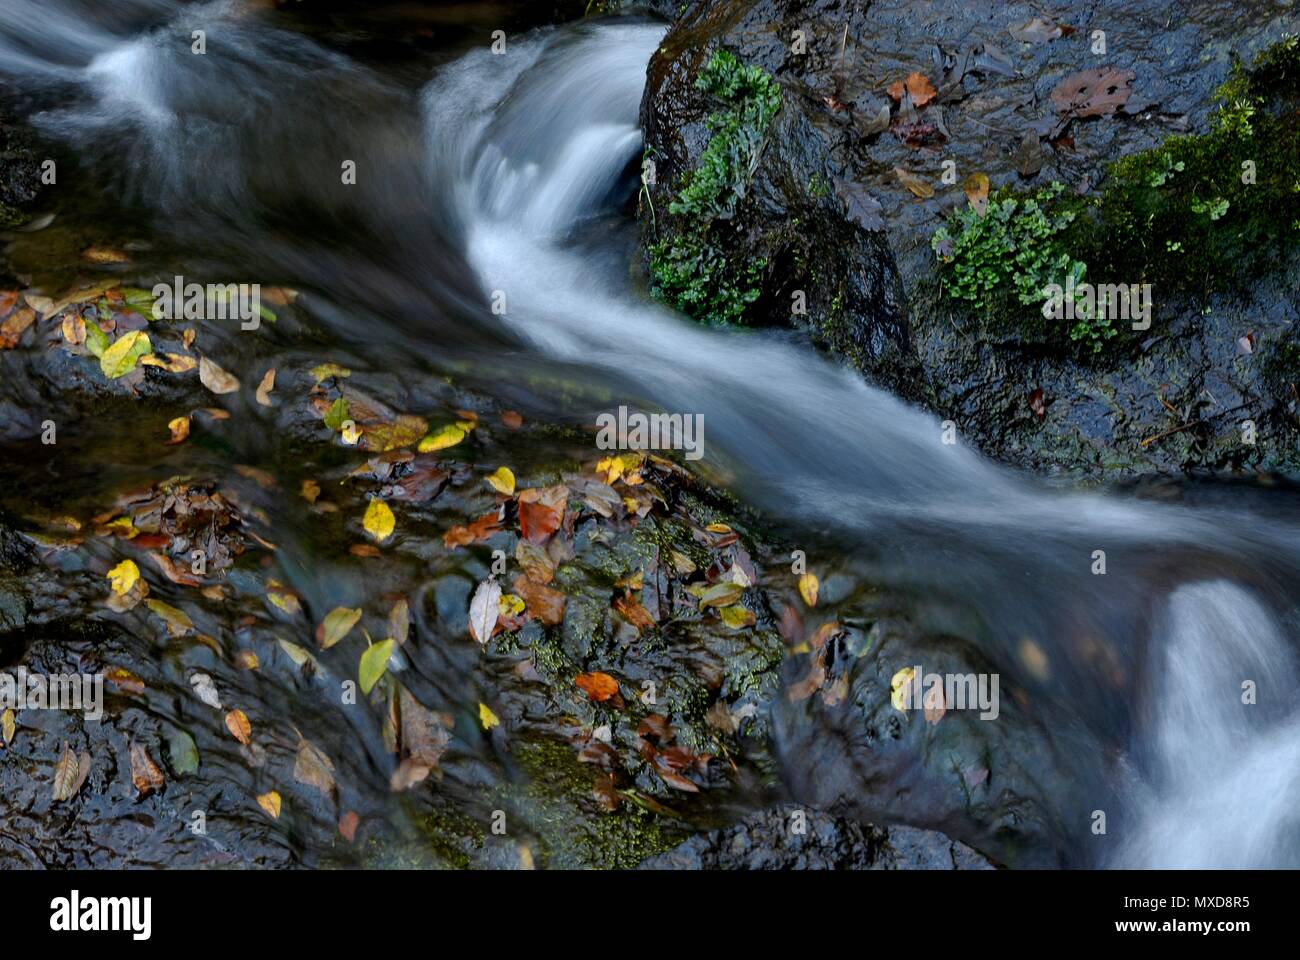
point(270, 802)
point(379, 520)
point(399, 621)
point(123, 577)
point(487, 718)
point(737, 616)
point(240, 728)
point(631, 610)
point(121, 356)
point(337, 415)
point(265, 387)
point(502, 481)
point(808, 586)
point(70, 773)
point(976, 188)
point(178, 623)
point(545, 604)
point(96, 339)
point(13, 327)
point(310, 490)
point(336, 625)
point(540, 511)
point(1094, 92)
point(1029, 155)
point(878, 122)
point(216, 379)
point(483, 610)
point(920, 89)
point(476, 532)
point(348, 824)
point(182, 752)
point(312, 767)
point(374, 662)
point(1039, 30)
point(860, 206)
point(718, 595)
point(206, 690)
point(536, 562)
point(7, 725)
point(146, 775)
point(915, 184)
point(598, 687)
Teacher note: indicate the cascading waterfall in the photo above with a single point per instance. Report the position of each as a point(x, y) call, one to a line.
point(510, 179)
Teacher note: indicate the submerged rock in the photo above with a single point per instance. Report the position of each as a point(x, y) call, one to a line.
point(790, 838)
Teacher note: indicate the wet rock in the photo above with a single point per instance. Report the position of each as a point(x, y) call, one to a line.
point(831, 210)
point(791, 838)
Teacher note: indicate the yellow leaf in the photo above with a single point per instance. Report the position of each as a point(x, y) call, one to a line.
point(270, 802)
point(610, 469)
point(123, 577)
point(7, 725)
point(282, 597)
point(180, 428)
point(900, 689)
point(379, 520)
point(351, 433)
point(239, 727)
point(487, 717)
point(503, 481)
point(737, 616)
point(336, 625)
point(510, 605)
point(329, 370)
point(121, 356)
point(374, 661)
point(718, 528)
point(443, 437)
point(178, 623)
point(915, 184)
point(808, 588)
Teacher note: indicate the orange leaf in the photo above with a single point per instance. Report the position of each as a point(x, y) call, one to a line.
point(598, 686)
point(239, 727)
point(921, 89)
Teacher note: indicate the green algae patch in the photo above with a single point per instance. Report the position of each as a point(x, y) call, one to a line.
point(690, 268)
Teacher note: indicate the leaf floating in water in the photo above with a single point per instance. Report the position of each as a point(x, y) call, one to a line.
point(120, 358)
point(379, 520)
point(443, 437)
point(327, 370)
point(180, 429)
point(265, 387)
point(178, 623)
point(216, 379)
point(484, 609)
point(503, 481)
point(487, 718)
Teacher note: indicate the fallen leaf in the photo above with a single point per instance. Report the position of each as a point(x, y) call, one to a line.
point(737, 616)
point(66, 775)
point(121, 356)
point(123, 577)
point(74, 329)
point(206, 690)
point(374, 661)
point(920, 89)
point(310, 490)
point(1039, 30)
point(145, 774)
point(631, 610)
point(348, 826)
point(545, 604)
point(503, 481)
point(180, 428)
point(270, 802)
point(326, 370)
point(538, 565)
point(239, 727)
point(512, 419)
point(860, 206)
point(399, 621)
point(487, 717)
point(483, 610)
point(443, 437)
point(808, 586)
point(976, 188)
point(1094, 92)
point(7, 725)
point(900, 689)
point(379, 520)
point(216, 379)
point(1036, 403)
point(313, 768)
point(405, 430)
point(914, 183)
point(336, 625)
point(599, 687)
point(265, 387)
point(11, 331)
point(178, 623)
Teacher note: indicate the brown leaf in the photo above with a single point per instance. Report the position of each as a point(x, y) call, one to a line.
point(1039, 30)
point(537, 563)
point(542, 602)
point(860, 206)
point(920, 89)
point(599, 687)
point(1036, 403)
point(631, 610)
point(65, 775)
point(265, 387)
point(313, 768)
point(914, 183)
point(1092, 93)
point(477, 532)
point(348, 826)
point(11, 331)
point(976, 188)
point(239, 727)
point(145, 774)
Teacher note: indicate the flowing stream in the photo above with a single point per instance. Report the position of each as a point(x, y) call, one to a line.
point(512, 173)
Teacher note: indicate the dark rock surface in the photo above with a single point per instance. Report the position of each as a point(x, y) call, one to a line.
point(790, 838)
point(830, 213)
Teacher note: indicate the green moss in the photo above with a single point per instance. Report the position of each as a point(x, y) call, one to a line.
point(689, 267)
point(1197, 214)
